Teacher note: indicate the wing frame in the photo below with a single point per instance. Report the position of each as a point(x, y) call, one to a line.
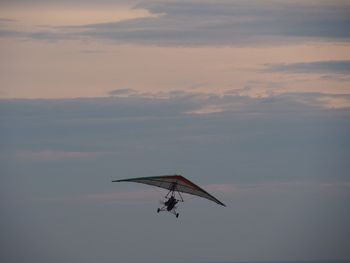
point(181, 183)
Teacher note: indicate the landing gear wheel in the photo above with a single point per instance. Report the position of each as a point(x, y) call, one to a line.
point(158, 210)
point(177, 215)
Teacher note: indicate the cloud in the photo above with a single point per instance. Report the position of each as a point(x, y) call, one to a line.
point(319, 67)
point(55, 3)
point(263, 157)
point(7, 20)
point(49, 155)
point(276, 187)
point(292, 136)
point(228, 23)
point(317, 99)
point(38, 34)
point(121, 92)
point(193, 23)
point(135, 196)
point(149, 195)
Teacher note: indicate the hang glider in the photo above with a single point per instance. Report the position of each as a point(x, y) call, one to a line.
point(175, 184)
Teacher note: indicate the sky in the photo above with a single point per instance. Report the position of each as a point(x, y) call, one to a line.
point(248, 99)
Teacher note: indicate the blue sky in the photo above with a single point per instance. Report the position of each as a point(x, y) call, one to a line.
point(250, 100)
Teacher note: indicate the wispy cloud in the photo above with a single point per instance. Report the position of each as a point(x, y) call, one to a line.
point(194, 102)
point(192, 23)
point(7, 20)
point(55, 155)
point(277, 187)
point(321, 100)
point(146, 195)
point(150, 195)
point(228, 22)
point(122, 92)
point(133, 196)
point(319, 67)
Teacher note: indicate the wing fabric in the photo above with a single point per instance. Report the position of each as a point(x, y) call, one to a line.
point(168, 181)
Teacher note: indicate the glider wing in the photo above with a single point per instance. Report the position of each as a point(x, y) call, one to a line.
point(174, 182)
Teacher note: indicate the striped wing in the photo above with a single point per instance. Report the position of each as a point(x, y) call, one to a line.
point(169, 181)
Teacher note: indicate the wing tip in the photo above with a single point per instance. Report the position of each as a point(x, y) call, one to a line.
point(220, 203)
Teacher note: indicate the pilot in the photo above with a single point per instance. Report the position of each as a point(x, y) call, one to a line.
point(170, 201)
